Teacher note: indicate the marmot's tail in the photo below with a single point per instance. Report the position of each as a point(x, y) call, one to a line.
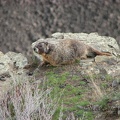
point(96, 52)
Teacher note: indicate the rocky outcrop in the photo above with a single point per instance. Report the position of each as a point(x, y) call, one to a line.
point(111, 64)
point(99, 75)
point(102, 43)
point(12, 61)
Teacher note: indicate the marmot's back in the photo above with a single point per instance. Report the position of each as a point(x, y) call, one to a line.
point(68, 50)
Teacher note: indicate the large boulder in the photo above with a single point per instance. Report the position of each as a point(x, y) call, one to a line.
point(102, 43)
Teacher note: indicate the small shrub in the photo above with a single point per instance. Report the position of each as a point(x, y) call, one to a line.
point(26, 101)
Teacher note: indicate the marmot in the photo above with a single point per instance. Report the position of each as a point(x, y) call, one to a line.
point(64, 51)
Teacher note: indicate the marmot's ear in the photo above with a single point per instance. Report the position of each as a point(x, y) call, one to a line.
point(47, 48)
point(46, 43)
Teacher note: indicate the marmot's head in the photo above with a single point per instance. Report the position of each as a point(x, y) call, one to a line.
point(42, 47)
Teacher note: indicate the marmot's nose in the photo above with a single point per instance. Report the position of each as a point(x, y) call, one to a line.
point(34, 49)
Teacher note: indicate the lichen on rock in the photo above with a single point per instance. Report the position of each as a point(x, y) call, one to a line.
point(12, 59)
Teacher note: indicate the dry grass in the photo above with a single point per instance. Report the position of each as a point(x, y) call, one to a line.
point(31, 99)
point(26, 101)
point(97, 92)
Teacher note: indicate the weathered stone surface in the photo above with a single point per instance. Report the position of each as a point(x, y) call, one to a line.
point(11, 58)
point(18, 59)
point(4, 64)
point(113, 70)
point(101, 43)
point(108, 59)
point(101, 65)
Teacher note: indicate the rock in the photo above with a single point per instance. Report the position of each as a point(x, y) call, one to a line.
point(108, 59)
point(113, 70)
point(12, 59)
point(11, 68)
point(100, 64)
point(101, 43)
point(58, 35)
point(4, 64)
point(18, 59)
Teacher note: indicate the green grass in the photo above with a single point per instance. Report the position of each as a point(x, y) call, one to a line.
point(103, 102)
point(63, 85)
point(72, 89)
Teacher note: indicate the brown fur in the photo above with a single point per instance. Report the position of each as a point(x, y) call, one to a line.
point(65, 51)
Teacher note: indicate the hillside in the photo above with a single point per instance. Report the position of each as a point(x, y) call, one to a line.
point(85, 90)
point(24, 21)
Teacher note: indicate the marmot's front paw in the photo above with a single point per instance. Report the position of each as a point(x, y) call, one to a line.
point(42, 64)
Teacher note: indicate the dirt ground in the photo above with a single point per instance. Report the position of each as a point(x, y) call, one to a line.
point(24, 21)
